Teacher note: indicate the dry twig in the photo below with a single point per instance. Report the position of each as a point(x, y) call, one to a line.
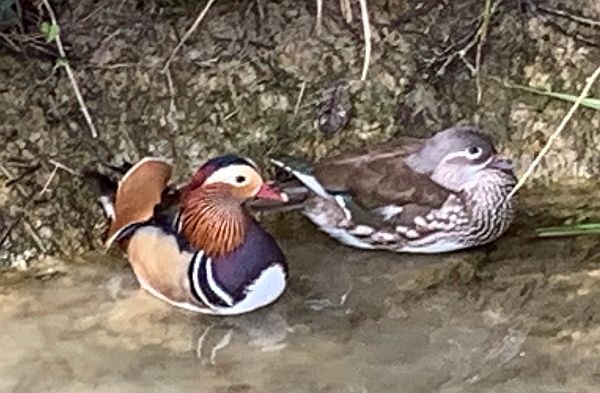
point(65, 64)
point(63, 167)
point(231, 114)
point(57, 165)
point(548, 145)
point(21, 216)
point(187, 34)
point(346, 10)
point(172, 112)
point(484, 30)
point(364, 12)
point(567, 15)
point(319, 16)
point(50, 178)
point(10, 228)
point(299, 99)
point(475, 39)
point(33, 234)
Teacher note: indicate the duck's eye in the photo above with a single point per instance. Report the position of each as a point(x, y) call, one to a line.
point(474, 151)
point(240, 179)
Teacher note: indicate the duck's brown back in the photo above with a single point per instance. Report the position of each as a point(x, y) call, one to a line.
point(379, 176)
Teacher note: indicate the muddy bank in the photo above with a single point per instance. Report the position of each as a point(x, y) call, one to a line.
point(235, 87)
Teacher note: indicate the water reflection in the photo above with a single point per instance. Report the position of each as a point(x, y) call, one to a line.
point(492, 319)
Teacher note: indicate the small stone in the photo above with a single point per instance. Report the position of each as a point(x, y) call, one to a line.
point(46, 232)
point(35, 136)
point(20, 263)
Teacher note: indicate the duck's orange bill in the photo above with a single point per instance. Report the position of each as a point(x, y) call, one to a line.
point(269, 192)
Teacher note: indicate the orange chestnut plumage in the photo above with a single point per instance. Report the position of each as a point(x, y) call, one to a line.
point(213, 217)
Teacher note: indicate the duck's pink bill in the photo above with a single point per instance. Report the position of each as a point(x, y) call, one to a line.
point(501, 163)
point(268, 192)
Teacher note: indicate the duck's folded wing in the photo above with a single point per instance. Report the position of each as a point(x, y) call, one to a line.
point(398, 148)
point(139, 192)
point(375, 177)
point(375, 183)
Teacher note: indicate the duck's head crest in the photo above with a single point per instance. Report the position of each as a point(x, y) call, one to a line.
point(451, 141)
point(238, 175)
point(470, 154)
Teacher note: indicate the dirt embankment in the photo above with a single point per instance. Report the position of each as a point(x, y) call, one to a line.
point(235, 85)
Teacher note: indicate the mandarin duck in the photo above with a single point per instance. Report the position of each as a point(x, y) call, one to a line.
point(196, 247)
point(437, 195)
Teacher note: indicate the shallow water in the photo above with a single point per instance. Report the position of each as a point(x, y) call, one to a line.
point(517, 315)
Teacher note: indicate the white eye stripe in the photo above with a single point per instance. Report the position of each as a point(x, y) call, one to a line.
point(457, 154)
point(484, 164)
point(231, 175)
point(465, 154)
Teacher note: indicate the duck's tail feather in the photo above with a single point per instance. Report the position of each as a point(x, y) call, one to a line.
point(293, 176)
point(304, 176)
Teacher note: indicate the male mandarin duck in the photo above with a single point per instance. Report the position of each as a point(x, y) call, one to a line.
point(209, 255)
point(437, 195)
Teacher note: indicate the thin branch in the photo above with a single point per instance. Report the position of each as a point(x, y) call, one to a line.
point(475, 39)
point(188, 34)
point(65, 63)
point(50, 178)
point(33, 234)
point(63, 167)
point(21, 217)
point(484, 30)
point(172, 112)
point(261, 11)
point(57, 166)
point(9, 175)
point(567, 15)
point(231, 114)
point(10, 42)
point(299, 99)
point(546, 148)
point(364, 12)
point(346, 10)
point(10, 228)
point(319, 16)
point(171, 88)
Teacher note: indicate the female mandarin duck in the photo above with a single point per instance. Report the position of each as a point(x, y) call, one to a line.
point(443, 194)
point(211, 256)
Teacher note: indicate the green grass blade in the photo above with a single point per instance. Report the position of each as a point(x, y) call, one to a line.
point(570, 230)
point(593, 103)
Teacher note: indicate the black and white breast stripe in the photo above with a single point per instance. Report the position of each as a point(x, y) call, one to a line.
point(203, 285)
point(177, 222)
point(491, 214)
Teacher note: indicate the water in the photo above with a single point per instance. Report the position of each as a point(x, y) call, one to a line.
point(518, 315)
